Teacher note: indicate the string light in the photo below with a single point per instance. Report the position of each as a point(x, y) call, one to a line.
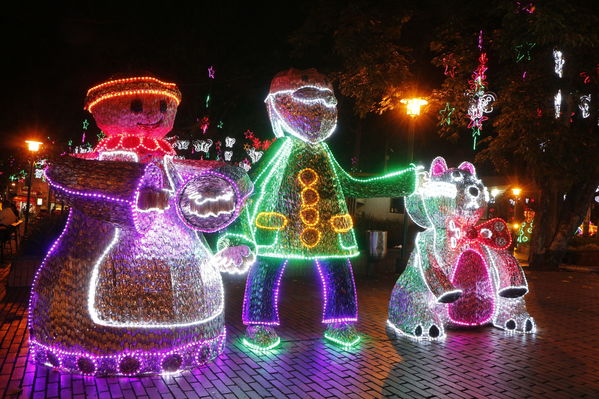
point(557, 103)
point(559, 60)
point(585, 106)
point(137, 92)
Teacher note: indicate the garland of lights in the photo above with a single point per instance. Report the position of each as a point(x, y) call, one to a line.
point(460, 273)
point(299, 210)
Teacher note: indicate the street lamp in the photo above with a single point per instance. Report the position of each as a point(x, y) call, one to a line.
point(516, 193)
point(413, 110)
point(34, 147)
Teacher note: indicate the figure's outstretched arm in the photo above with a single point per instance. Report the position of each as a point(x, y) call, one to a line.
point(395, 184)
point(434, 276)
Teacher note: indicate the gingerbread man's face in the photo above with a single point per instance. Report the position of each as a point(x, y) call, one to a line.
point(138, 106)
point(302, 104)
point(146, 115)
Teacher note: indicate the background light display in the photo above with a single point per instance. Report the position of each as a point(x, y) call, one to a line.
point(460, 272)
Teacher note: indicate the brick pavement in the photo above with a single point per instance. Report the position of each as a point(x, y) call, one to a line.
point(560, 361)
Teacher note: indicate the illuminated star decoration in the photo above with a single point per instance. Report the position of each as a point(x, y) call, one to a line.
point(523, 51)
point(220, 124)
point(450, 65)
point(211, 72)
point(446, 114)
point(85, 124)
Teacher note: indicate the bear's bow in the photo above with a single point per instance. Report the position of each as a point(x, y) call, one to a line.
point(493, 233)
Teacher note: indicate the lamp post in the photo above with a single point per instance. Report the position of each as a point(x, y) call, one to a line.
point(516, 193)
point(412, 110)
point(33, 146)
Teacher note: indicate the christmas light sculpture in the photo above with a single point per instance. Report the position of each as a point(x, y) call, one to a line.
point(299, 210)
point(131, 287)
point(460, 273)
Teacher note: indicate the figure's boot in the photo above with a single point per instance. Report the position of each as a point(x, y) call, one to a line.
point(343, 334)
point(261, 338)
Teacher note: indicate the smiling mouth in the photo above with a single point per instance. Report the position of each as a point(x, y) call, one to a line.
point(150, 125)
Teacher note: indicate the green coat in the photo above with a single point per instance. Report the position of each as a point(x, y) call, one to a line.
point(298, 209)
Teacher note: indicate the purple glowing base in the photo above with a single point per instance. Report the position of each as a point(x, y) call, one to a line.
point(129, 363)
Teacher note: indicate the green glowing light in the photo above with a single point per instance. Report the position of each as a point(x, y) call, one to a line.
point(346, 344)
point(260, 348)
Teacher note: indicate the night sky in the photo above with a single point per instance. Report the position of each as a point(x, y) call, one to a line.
point(52, 56)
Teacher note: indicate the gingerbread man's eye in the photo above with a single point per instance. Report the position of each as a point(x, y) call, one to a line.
point(163, 106)
point(137, 106)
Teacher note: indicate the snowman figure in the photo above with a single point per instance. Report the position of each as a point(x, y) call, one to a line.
point(130, 286)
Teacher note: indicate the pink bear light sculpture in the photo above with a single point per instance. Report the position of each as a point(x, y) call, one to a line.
point(131, 287)
point(459, 273)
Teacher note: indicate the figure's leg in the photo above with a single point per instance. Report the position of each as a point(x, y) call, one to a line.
point(340, 302)
point(261, 303)
point(413, 309)
point(511, 315)
point(511, 282)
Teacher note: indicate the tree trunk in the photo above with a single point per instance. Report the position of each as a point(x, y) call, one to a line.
point(557, 222)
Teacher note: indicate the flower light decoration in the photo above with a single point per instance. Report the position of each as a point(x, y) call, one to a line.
point(299, 210)
point(130, 286)
point(525, 232)
point(460, 273)
point(481, 101)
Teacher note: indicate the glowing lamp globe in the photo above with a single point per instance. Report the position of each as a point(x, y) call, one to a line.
point(33, 145)
point(413, 105)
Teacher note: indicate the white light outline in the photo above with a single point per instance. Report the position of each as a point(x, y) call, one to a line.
point(280, 125)
point(91, 299)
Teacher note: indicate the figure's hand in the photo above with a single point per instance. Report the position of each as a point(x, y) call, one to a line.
point(150, 198)
point(235, 260)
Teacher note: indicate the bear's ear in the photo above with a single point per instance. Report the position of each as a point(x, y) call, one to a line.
point(438, 167)
point(468, 167)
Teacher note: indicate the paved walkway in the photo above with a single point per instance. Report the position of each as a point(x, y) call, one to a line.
point(560, 361)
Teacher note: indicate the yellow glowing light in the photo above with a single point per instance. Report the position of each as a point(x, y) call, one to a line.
point(33, 145)
point(413, 105)
point(495, 192)
point(515, 226)
point(133, 93)
point(516, 191)
point(271, 221)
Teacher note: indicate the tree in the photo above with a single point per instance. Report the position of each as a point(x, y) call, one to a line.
point(555, 148)
point(364, 46)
